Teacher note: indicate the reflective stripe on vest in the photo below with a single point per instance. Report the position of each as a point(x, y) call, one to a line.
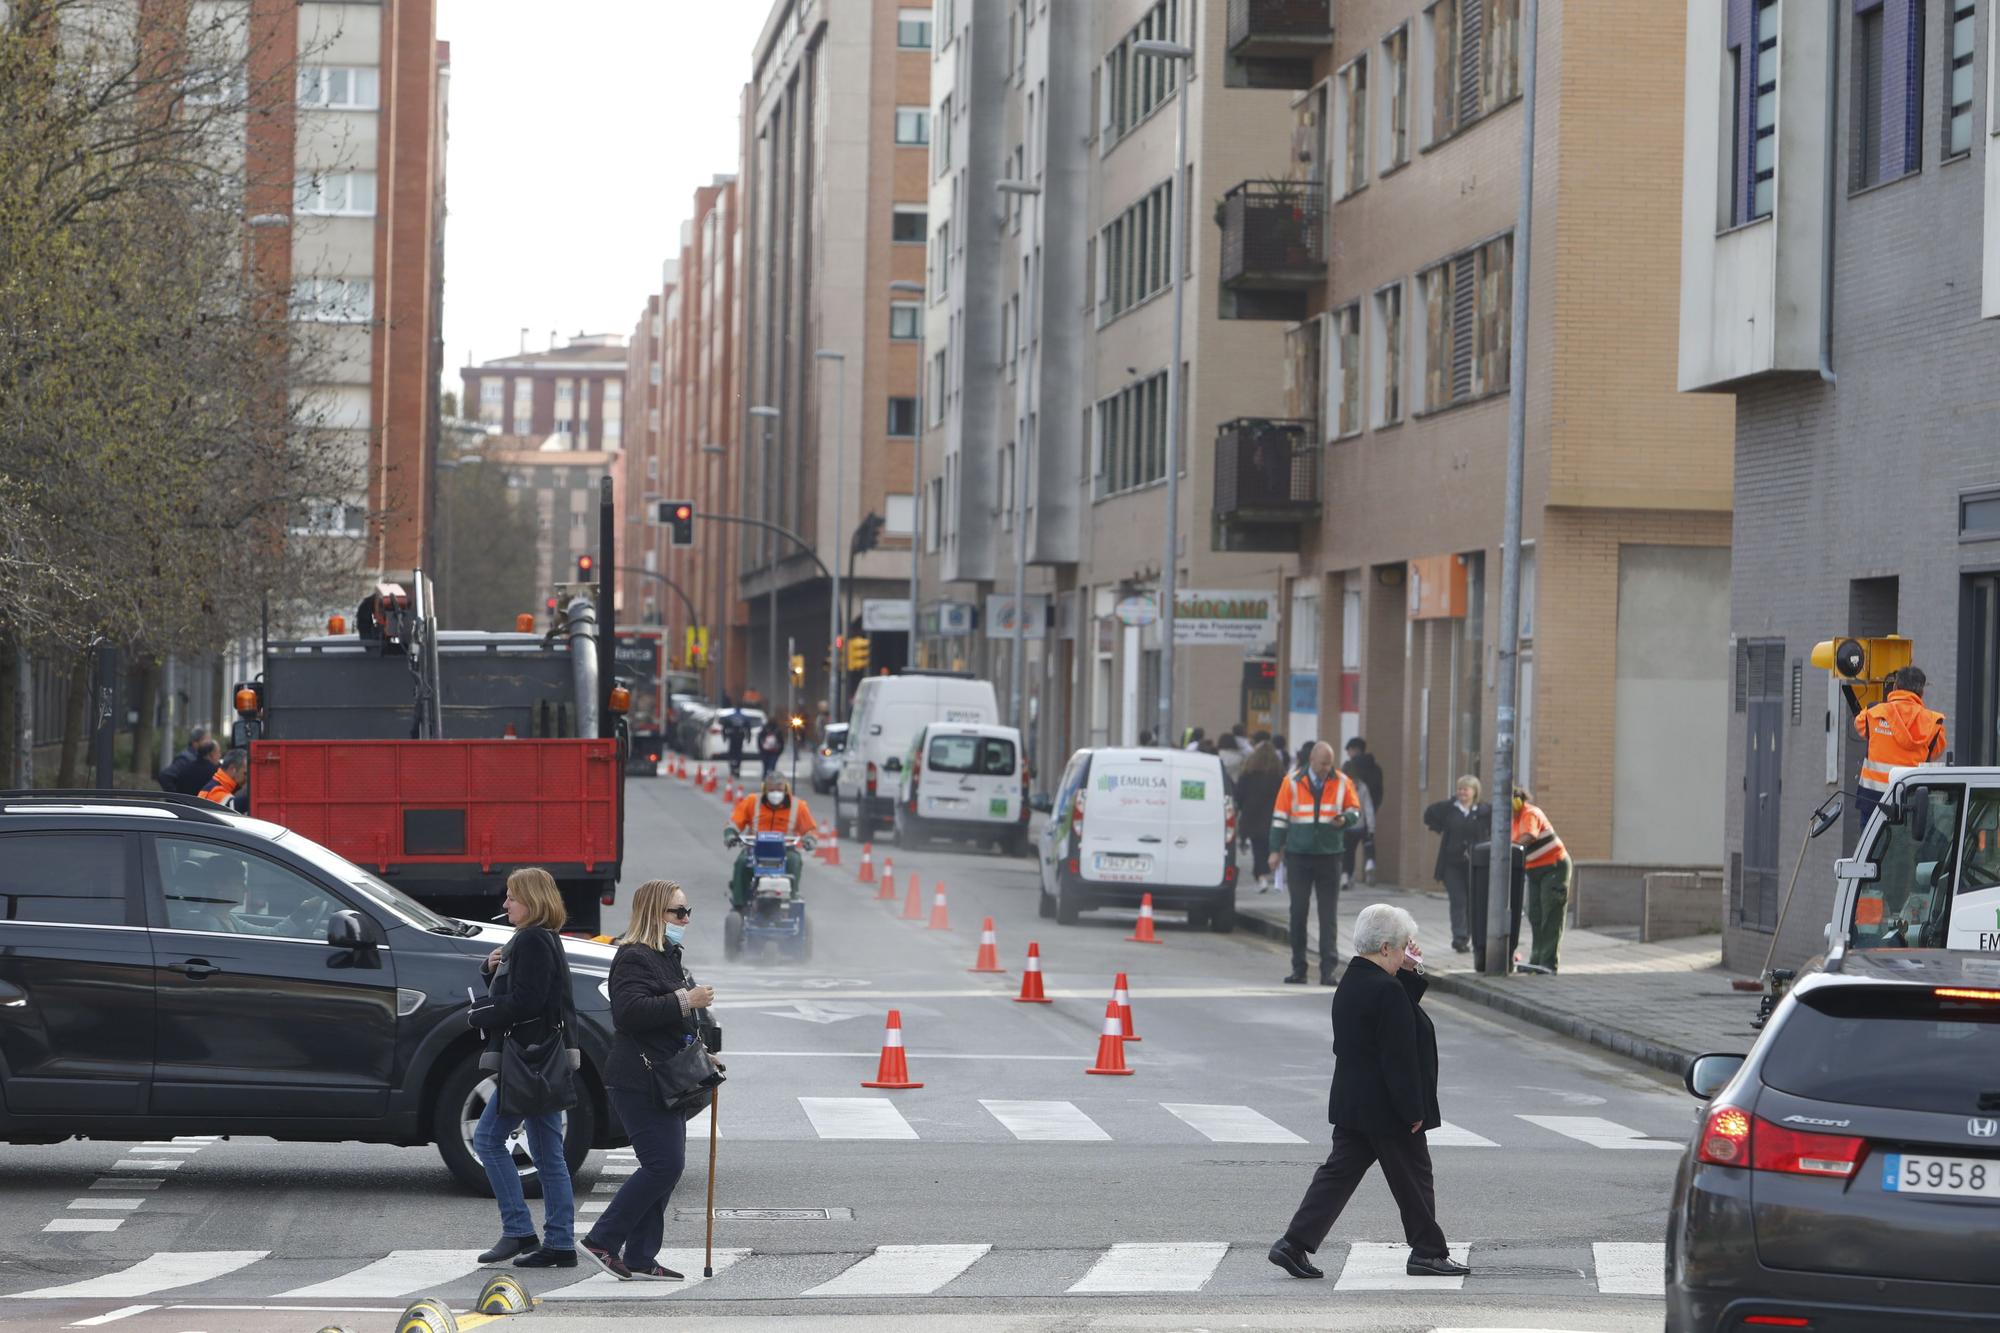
point(1531, 827)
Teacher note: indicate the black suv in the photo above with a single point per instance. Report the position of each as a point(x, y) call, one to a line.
point(168, 967)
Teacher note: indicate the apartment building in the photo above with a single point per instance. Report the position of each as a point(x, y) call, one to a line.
point(1383, 250)
point(560, 487)
point(574, 393)
point(1840, 280)
point(836, 153)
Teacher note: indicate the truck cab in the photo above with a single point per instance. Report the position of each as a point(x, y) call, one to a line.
point(1926, 872)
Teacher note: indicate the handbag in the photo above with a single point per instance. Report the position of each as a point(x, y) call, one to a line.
point(681, 1081)
point(537, 1077)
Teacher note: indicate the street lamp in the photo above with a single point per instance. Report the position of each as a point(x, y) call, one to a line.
point(769, 416)
point(837, 670)
point(1169, 568)
point(1024, 396)
point(907, 287)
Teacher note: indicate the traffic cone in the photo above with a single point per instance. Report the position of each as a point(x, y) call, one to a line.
point(1110, 1046)
point(989, 950)
point(867, 863)
point(1031, 979)
point(829, 851)
point(1122, 997)
point(940, 917)
point(887, 892)
point(1144, 934)
point(894, 1071)
point(913, 906)
point(729, 793)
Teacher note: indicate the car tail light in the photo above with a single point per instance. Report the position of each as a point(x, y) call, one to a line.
point(1961, 993)
point(1777, 1321)
point(654, 756)
point(1725, 1139)
point(872, 776)
point(1782, 1148)
point(916, 776)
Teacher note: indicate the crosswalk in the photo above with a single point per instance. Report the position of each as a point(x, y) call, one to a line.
point(1608, 1268)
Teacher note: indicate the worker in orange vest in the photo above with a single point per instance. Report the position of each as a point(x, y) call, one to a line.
point(1549, 874)
point(1316, 807)
point(772, 810)
point(1899, 732)
point(226, 788)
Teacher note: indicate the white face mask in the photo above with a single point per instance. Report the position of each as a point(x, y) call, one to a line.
point(774, 798)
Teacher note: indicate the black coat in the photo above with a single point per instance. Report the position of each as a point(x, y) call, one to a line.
point(645, 1013)
point(1384, 1054)
point(187, 773)
point(1256, 795)
point(1461, 832)
point(526, 995)
point(1364, 770)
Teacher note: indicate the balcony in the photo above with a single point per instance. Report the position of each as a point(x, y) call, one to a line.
point(1273, 248)
point(1272, 43)
point(1266, 483)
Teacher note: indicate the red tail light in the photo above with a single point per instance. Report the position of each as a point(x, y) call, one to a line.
point(872, 776)
point(916, 776)
point(1075, 831)
point(1725, 1139)
point(1777, 1321)
point(1734, 1137)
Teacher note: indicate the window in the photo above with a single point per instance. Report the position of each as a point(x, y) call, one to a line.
point(940, 266)
point(941, 145)
point(340, 87)
point(899, 515)
point(1865, 135)
point(1467, 324)
point(902, 417)
point(215, 87)
point(1958, 82)
point(1499, 52)
point(524, 405)
point(913, 125)
point(908, 225)
point(346, 301)
point(1135, 248)
point(1887, 106)
point(1753, 127)
point(1473, 50)
point(987, 755)
point(75, 879)
point(1343, 385)
point(1441, 29)
point(1396, 98)
point(913, 29)
point(337, 194)
point(209, 887)
point(1132, 436)
point(1388, 359)
point(330, 518)
point(934, 508)
point(1352, 130)
point(492, 401)
point(1133, 85)
point(905, 320)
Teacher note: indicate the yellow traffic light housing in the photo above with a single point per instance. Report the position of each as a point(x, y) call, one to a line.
point(1863, 666)
point(798, 668)
point(857, 654)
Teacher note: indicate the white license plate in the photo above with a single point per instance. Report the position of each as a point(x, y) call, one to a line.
point(1129, 865)
point(948, 802)
point(1970, 1177)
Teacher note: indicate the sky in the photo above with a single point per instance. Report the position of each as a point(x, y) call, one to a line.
point(579, 132)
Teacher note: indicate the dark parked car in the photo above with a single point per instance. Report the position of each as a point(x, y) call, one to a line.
point(1845, 1175)
point(826, 759)
point(168, 968)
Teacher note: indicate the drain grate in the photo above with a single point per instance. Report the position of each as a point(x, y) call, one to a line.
point(766, 1214)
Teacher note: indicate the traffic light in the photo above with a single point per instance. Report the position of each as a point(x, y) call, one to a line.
point(585, 566)
point(1863, 666)
point(798, 669)
point(678, 515)
point(857, 654)
point(869, 535)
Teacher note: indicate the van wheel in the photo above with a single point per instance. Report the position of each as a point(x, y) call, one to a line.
point(1067, 906)
point(906, 836)
point(1015, 843)
point(462, 1100)
point(1222, 916)
point(1046, 905)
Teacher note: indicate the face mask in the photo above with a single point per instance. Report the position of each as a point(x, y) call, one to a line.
point(674, 934)
point(774, 798)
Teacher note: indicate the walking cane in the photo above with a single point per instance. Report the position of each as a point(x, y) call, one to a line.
point(708, 1258)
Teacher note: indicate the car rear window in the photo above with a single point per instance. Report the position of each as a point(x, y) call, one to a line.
point(989, 755)
point(1905, 1048)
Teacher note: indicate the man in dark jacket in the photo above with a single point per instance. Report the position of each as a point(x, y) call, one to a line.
point(1384, 1098)
point(1462, 823)
point(185, 772)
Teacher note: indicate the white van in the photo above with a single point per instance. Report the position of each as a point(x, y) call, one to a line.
point(966, 781)
point(1131, 822)
point(888, 713)
point(1926, 872)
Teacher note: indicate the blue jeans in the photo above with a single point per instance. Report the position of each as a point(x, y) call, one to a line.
point(545, 1145)
point(636, 1221)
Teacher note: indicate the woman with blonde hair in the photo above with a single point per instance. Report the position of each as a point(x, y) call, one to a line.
point(527, 1000)
point(653, 1004)
point(1461, 824)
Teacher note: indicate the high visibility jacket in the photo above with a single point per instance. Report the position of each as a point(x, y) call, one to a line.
point(1900, 732)
point(1539, 844)
point(220, 788)
point(753, 816)
point(1307, 826)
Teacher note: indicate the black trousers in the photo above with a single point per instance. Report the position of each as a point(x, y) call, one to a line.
point(1406, 1165)
point(636, 1221)
point(1305, 878)
point(1457, 885)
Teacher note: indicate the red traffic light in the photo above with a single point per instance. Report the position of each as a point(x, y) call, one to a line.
point(584, 564)
point(683, 512)
point(552, 604)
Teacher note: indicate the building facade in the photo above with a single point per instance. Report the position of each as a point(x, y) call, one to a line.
point(574, 393)
point(1840, 279)
point(560, 487)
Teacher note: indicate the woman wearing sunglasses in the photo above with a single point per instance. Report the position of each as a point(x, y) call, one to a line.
point(653, 1004)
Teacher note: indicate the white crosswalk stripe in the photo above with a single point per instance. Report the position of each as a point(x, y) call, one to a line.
point(603, 1286)
point(1631, 1268)
point(397, 1273)
point(1045, 1122)
point(85, 1224)
point(1448, 1135)
point(1598, 1133)
point(903, 1270)
point(856, 1118)
point(1153, 1267)
point(698, 1127)
point(163, 1271)
point(1231, 1124)
point(1374, 1266)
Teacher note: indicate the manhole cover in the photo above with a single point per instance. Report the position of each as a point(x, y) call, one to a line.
point(767, 1214)
point(1527, 1270)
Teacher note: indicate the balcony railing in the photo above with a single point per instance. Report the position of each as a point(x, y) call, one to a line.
point(1266, 473)
point(1280, 29)
point(1273, 236)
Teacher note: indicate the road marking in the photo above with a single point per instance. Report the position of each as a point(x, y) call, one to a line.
point(1150, 1267)
point(618, 1168)
point(1599, 1133)
point(1231, 1124)
point(903, 1270)
point(877, 1054)
point(134, 1164)
point(397, 1273)
point(603, 1286)
point(1055, 993)
point(149, 1149)
point(156, 1272)
point(1448, 1135)
point(1374, 1266)
point(115, 1205)
point(85, 1224)
point(124, 1183)
point(593, 1206)
point(856, 1118)
point(1631, 1268)
point(1046, 1122)
point(607, 1187)
point(125, 1312)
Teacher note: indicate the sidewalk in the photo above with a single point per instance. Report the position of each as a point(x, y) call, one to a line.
point(1662, 1004)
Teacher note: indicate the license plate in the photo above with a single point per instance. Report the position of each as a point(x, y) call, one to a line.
point(1968, 1177)
point(1129, 865)
point(948, 802)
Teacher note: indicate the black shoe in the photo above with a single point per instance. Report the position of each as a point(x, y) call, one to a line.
point(1461, 946)
point(544, 1257)
point(510, 1246)
point(1296, 979)
point(1442, 1266)
point(1326, 979)
point(1294, 1260)
point(606, 1260)
point(656, 1272)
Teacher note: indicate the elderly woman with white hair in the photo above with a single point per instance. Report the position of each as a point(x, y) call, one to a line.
point(1385, 1078)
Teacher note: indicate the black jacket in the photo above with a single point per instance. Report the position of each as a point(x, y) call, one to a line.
point(1461, 832)
point(645, 1013)
point(526, 995)
point(1364, 770)
point(187, 773)
point(1384, 1055)
point(1256, 795)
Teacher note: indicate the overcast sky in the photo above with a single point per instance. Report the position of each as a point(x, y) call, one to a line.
point(579, 132)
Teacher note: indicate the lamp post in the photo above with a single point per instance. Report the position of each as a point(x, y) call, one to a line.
point(1016, 667)
point(769, 416)
point(916, 462)
point(836, 630)
point(720, 618)
point(1169, 568)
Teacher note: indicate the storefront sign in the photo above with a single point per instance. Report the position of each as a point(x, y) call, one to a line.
point(888, 614)
point(1245, 619)
point(1000, 617)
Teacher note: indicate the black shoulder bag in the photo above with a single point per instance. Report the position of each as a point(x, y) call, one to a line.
point(536, 1077)
point(681, 1080)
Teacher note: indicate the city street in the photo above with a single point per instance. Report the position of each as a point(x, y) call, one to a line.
point(1011, 1190)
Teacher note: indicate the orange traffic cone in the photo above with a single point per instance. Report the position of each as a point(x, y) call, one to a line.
point(729, 793)
point(1031, 979)
point(1110, 1046)
point(894, 1071)
point(887, 892)
point(867, 863)
point(1144, 934)
point(989, 950)
point(940, 917)
point(829, 850)
point(1122, 997)
point(913, 906)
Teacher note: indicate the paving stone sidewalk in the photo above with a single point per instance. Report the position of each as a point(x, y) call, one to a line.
point(1662, 1004)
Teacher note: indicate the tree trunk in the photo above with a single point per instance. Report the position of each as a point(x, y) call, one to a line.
point(145, 735)
point(10, 707)
point(76, 718)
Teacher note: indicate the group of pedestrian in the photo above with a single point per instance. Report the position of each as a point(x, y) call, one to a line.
point(1464, 823)
point(203, 769)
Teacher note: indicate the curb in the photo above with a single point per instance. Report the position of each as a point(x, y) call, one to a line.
point(1468, 986)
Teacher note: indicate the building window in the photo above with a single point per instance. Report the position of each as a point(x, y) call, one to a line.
point(1753, 123)
point(1499, 53)
point(1473, 50)
point(341, 301)
point(913, 29)
point(1441, 30)
point(1135, 247)
point(340, 87)
point(1958, 82)
point(908, 225)
point(940, 267)
point(215, 87)
point(1387, 362)
point(1352, 131)
point(1396, 98)
point(1886, 69)
point(1468, 301)
point(492, 401)
point(899, 515)
point(905, 321)
point(913, 125)
point(1134, 85)
point(337, 194)
point(1343, 382)
point(524, 406)
point(902, 417)
point(330, 518)
point(1132, 436)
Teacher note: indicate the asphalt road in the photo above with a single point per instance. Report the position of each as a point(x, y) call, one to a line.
point(1033, 1194)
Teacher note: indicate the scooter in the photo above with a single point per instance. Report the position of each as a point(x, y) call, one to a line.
point(775, 918)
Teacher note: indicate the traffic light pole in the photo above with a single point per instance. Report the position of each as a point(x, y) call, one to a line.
point(694, 618)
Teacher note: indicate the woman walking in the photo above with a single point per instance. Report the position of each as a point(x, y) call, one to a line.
point(527, 995)
point(653, 1002)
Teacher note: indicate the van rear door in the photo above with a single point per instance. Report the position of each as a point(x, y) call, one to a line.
point(969, 774)
point(1127, 817)
point(1197, 837)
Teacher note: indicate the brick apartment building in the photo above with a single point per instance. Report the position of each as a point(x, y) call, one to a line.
point(574, 393)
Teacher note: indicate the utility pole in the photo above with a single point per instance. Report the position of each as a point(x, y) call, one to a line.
point(916, 467)
point(836, 625)
point(1016, 665)
point(769, 416)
